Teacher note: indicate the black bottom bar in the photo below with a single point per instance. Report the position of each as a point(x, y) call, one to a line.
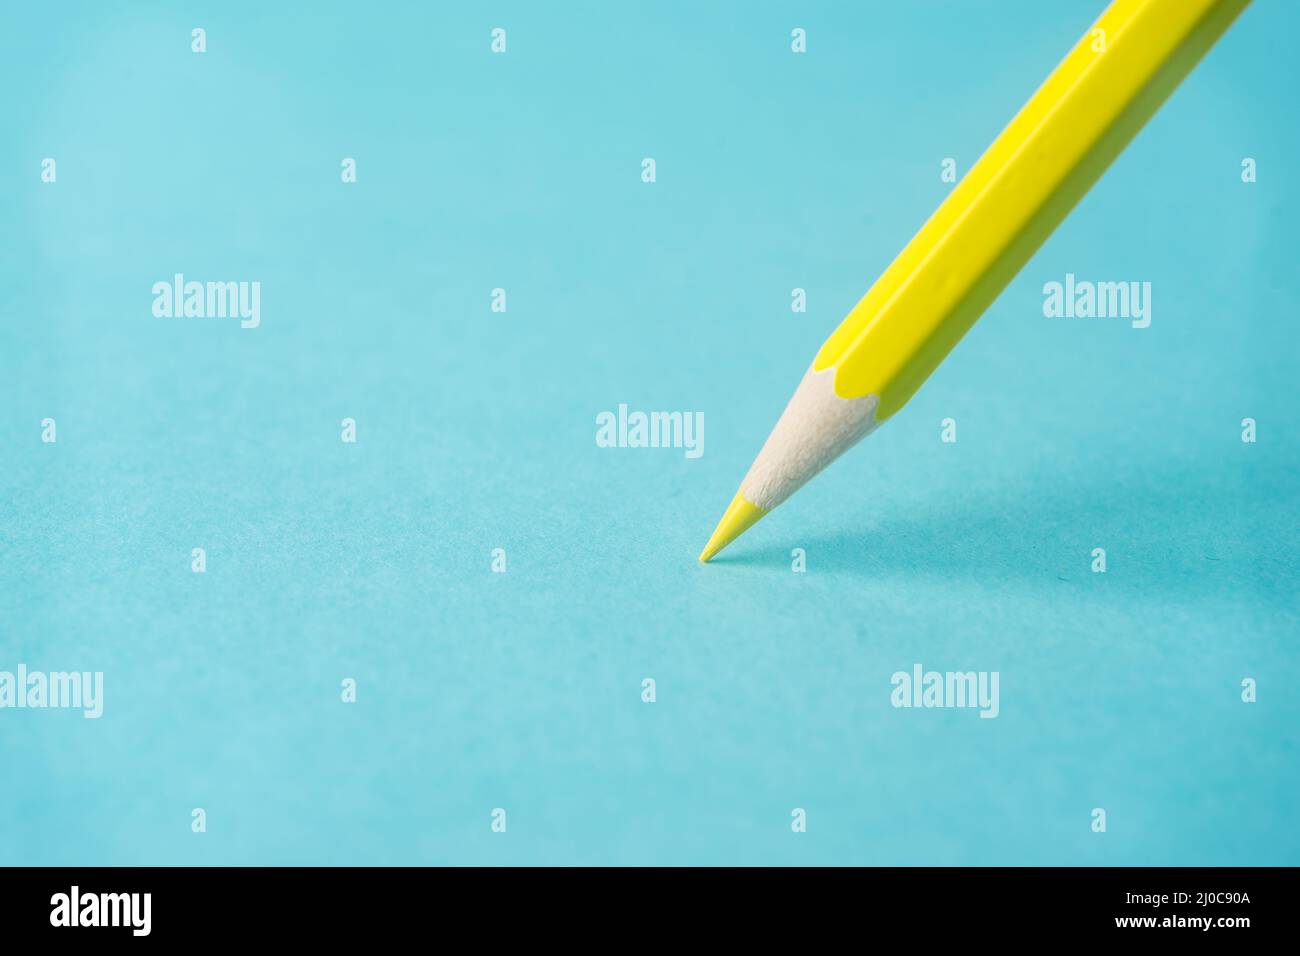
point(367, 905)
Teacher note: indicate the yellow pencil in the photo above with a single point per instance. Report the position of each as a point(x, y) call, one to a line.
point(1052, 152)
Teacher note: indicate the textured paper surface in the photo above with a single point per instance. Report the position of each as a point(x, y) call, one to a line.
point(476, 430)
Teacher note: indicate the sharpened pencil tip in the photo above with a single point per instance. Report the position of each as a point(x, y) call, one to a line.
point(739, 517)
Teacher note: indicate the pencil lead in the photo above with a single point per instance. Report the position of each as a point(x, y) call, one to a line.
point(739, 517)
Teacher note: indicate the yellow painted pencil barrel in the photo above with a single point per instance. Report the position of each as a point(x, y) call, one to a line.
point(993, 221)
point(1057, 146)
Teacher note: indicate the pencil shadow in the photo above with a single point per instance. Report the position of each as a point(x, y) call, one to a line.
point(1175, 528)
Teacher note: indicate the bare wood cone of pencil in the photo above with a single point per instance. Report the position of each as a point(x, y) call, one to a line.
point(1027, 181)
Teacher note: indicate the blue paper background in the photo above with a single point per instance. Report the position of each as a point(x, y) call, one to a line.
point(476, 430)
